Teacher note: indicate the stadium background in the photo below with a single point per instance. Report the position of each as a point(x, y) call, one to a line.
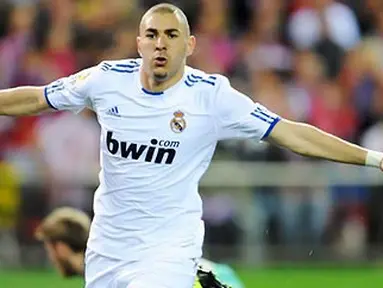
point(280, 219)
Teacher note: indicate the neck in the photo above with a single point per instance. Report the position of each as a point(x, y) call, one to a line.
point(77, 262)
point(151, 84)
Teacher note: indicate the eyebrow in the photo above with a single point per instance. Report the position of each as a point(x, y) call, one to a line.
point(167, 31)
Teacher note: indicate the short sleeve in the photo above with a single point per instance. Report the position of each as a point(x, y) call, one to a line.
point(73, 92)
point(239, 117)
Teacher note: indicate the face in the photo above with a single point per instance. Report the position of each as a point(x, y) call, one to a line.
point(164, 44)
point(59, 256)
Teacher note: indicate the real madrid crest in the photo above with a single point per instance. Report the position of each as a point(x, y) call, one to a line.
point(178, 123)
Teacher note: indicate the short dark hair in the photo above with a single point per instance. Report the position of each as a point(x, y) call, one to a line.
point(169, 8)
point(68, 225)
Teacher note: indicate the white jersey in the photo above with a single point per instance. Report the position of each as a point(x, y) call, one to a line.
point(154, 149)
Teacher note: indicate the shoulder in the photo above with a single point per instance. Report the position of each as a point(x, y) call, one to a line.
point(109, 73)
point(201, 80)
point(123, 66)
point(97, 73)
point(213, 89)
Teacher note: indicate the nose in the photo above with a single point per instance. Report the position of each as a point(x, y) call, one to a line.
point(161, 43)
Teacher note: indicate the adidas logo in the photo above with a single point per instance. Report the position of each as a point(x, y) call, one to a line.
point(113, 112)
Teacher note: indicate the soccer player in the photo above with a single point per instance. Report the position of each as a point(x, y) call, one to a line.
point(160, 122)
point(64, 233)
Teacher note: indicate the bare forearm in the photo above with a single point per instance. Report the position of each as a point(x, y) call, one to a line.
point(310, 141)
point(22, 101)
point(317, 143)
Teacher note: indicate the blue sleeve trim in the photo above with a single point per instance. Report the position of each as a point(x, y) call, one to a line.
point(271, 127)
point(47, 99)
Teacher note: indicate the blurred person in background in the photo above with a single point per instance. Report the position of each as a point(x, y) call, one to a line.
point(14, 44)
point(216, 51)
point(327, 26)
point(362, 75)
point(267, 223)
point(15, 134)
point(224, 232)
point(361, 79)
point(67, 175)
point(64, 233)
point(264, 60)
point(365, 12)
point(104, 29)
point(104, 14)
point(262, 45)
point(332, 112)
point(359, 85)
point(309, 18)
point(308, 73)
point(372, 138)
point(10, 202)
point(123, 43)
point(305, 209)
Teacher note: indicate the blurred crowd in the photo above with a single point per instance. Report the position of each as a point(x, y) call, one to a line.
point(315, 61)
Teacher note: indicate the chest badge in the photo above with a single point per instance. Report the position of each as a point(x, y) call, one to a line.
point(178, 123)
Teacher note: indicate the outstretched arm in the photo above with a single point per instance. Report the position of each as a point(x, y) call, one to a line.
point(22, 101)
point(310, 141)
point(67, 93)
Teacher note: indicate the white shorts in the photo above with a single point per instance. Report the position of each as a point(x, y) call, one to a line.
point(103, 272)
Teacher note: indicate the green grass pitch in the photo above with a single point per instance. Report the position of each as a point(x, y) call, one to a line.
point(257, 278)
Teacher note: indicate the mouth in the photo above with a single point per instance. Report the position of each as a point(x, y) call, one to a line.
point(160, 61)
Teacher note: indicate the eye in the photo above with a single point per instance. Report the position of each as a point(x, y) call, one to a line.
point(150, 36)
point(173, 35)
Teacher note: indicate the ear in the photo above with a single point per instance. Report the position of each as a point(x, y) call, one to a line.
point(138, 40)
point(62, 249)
point(191, 45)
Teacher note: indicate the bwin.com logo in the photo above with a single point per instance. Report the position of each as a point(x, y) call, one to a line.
point(157, 151)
